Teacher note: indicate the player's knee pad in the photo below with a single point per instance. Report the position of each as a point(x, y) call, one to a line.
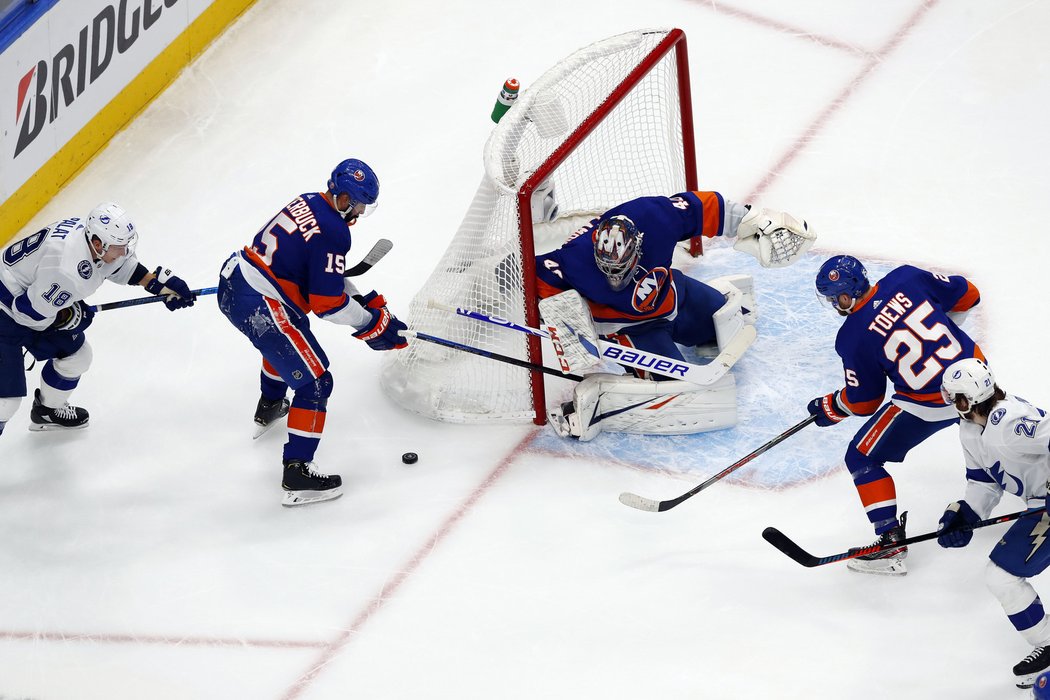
point(861, 467)
point(1014, 593)
point(73, 366)
point(317, 392)
point(8, 406)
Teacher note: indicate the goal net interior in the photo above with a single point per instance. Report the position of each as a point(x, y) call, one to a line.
point(609, 123)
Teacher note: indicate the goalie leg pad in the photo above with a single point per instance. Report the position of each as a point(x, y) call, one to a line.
point(622, 404)
point(571, 327)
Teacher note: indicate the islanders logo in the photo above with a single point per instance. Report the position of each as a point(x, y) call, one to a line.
point(359, 175)
point(647, 290)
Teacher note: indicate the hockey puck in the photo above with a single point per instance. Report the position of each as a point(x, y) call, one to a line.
point(410, 458)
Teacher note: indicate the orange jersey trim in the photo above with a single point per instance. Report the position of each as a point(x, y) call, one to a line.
point(545, 289)
point(607, 314)
point(321, 304)
point(306, 421)
point(861, 408)
point(969, 299)
point(713, 215)
point(880, 491)
point(287, 287)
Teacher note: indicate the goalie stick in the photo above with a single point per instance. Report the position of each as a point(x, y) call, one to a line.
point(641, 503)
point(703, 375)
point(377, 253)
point(489, 354)
point(786, 545)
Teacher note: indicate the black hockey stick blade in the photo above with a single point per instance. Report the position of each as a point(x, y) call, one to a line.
point(379, 250)
point(641, 503)
point(788, 546)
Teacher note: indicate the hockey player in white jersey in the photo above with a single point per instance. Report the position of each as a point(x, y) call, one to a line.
point(44, 279)
point(1006, 445)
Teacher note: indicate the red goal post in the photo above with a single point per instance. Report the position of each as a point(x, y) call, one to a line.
point(611, 122)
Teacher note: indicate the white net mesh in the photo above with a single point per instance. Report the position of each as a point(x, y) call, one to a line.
point(635, 150)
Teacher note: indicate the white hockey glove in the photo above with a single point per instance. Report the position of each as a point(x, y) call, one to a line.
point(568, 320)
point(774, 238)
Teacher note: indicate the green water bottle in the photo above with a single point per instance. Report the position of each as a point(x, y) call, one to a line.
point(506, 98)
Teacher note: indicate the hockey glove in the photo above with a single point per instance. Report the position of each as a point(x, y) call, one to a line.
point(827, 409)
point(176, 292)
point(383, 332)
point(955, 516)
point(74, 318)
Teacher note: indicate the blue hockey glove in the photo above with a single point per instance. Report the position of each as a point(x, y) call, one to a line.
point(383, 332)
point(827, 409)
point(176, 292)
point(74, 318)
point(955, 516)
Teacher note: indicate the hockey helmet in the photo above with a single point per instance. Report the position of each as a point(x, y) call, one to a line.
point(617, 248)
point(354, 178)
point(969, 378)
point(110, 223)
point(843, 274)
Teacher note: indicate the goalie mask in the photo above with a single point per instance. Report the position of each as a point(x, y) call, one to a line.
point(110, 224)
point(841, 281)
point(617, 248)
point(355, 179)
point(970, 379)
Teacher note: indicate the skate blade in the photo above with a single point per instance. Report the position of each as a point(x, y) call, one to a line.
point(879, 567)
point(45, 427)
point(302, 498)
point(261, 430)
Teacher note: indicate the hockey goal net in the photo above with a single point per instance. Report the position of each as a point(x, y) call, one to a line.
point(607, 124)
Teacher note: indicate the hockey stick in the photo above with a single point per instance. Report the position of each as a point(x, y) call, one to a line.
point(786, 545)
point(379, 250)
point(491, 355)
point(148, 300)
point(636, 501)
point(634, 357)
point(377, 253)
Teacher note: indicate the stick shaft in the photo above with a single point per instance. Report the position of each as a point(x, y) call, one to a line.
point(489, 354)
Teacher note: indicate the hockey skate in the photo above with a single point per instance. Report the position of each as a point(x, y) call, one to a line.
point(65, 417)
point(267, 413)
point(304, 484)
point(1031, 666)
point(889, 562)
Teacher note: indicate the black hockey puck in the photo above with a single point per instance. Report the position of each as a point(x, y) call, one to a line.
point(410, 458)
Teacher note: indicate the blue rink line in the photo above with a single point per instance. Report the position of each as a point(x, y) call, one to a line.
point(792, 361)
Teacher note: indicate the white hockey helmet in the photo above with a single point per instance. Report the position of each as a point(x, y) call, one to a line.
point(617, 249)
point(969, 378)
point(110, 223)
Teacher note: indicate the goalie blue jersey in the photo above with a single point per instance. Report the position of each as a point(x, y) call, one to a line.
point(651, 294)
point(901, 331)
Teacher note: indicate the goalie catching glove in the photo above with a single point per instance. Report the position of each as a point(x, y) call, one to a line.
point(384, 331)
point(176, 292)
point(774, 238)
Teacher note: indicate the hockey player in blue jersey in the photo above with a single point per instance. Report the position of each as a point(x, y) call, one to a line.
point(613, 278)
point(1006, 449)
point(904, 328)
point(293, 267)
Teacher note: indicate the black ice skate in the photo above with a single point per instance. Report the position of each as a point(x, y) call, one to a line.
point(267, 413)
point(65, 417)
point(304, 484)
point(889, 562)
point(1031, 666)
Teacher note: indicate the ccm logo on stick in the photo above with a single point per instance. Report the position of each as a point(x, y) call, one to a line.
point(640, 360)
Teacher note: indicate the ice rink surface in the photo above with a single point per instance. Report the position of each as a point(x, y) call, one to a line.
point(149, 556)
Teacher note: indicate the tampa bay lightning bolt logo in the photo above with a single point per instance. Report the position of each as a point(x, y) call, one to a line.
point(104, 218)
point(84, 269)
point(1038, 534)
point(997, 415)
point(648, 289)
point(1009, 482)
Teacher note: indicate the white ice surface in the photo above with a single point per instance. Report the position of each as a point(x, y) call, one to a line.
point(148, 557)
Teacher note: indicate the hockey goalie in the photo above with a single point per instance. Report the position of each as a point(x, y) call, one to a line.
point(612, 282)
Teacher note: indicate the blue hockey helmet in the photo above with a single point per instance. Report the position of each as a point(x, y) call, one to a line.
point(355, 179)
point(617, 248)
point(1041, 687)
point(843, 274)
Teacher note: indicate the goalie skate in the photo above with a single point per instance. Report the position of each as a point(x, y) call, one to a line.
point(267, 413)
